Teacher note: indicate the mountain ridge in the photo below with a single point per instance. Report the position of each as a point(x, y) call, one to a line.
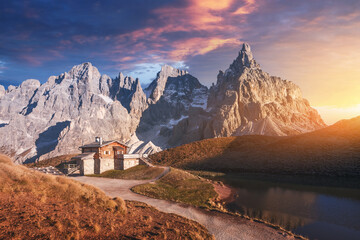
point(330, 151)
point(54, 118)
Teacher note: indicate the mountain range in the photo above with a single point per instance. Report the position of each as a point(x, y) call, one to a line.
point(38, 121)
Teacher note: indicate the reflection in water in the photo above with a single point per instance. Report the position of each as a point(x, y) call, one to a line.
point(312, 211)
point(275, 205)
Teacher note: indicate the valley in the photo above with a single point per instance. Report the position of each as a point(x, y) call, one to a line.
point(180, 120)
point(252, 131)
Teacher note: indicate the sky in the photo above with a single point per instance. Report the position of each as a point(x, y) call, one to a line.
point(314, 43)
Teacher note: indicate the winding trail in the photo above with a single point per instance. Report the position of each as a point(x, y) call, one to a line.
point(221, 225)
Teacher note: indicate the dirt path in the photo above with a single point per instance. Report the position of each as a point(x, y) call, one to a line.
point(223, 226)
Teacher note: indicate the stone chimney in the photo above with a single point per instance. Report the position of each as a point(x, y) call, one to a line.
point(99, 140)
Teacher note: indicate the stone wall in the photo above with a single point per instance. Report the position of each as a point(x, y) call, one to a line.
point(98, 166)
point(106, 164)
point(86, 166)
point(130, 162)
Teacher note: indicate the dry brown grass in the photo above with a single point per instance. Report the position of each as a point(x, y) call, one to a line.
point(54, 161)
point(333, 151)
point(140, 172)
point(38, 206)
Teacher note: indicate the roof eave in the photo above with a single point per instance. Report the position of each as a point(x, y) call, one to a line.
point(102, 145)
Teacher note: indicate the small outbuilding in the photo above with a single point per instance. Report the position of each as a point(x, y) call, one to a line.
point(101, 156)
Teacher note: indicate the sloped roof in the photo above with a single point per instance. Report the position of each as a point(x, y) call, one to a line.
point(96, 144)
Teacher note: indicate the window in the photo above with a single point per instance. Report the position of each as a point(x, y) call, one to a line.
point(119, 152)
point(107, 152)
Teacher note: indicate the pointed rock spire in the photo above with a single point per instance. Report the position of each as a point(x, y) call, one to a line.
point(2, 91)
point(245, 59)
point(246, 51)
point(246, 47)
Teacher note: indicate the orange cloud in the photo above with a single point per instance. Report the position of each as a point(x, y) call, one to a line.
point(205, 16)
point(127, 58)
point(212, 4)
point(199, 46)
point(189, 19)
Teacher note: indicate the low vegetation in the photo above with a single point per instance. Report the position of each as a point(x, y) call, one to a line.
point(332, 151)
point(180, 186)
point(57, 162)
point(207, 174)
point(140, 172)
point(38, 206)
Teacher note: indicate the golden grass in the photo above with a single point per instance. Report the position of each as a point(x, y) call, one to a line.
point(54, 161)
point(332, 151)
point(38, 206)
point(15, 179)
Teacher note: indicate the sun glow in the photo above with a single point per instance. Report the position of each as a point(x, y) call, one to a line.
point(332, 114)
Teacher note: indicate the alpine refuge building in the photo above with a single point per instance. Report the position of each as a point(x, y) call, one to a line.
point(101, 156)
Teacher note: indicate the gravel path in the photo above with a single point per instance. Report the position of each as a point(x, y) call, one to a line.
point(223, 226)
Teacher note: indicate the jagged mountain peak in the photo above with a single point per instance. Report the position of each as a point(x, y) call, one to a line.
point(245, 59)
point(171, 71)
point(157, 86)
point(246, 47)
point(121, 75)
point(30, 82)
point(2, 90)
point(175, 108)
point(128, 82)
point(84, 71)
point(80, 68)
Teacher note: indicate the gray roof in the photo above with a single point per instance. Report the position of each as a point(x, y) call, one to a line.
point(104, 143)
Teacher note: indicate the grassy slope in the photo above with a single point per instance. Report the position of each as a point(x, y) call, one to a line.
point(332, 151)
point(180, 186)
point(38, 206)
point(55, 161)
point(140, 172)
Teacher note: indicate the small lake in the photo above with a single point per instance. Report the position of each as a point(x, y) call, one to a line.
point(318, 208)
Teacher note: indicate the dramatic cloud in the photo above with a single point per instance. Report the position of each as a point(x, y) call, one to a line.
point(316, 44)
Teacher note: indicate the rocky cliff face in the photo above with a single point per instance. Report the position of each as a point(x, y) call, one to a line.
point(2, 91)
point(247, 100)
point(39, 121)
point(58, 116)
point(171, 96)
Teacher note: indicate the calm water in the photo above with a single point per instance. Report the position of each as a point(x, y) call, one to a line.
point(318, 212)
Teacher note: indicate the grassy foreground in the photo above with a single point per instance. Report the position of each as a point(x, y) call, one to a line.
point(332, 151)
point(180, 186)
point(140, 172)
point(38, 206)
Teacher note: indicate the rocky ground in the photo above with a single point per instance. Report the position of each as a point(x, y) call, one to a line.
point(48, 170)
